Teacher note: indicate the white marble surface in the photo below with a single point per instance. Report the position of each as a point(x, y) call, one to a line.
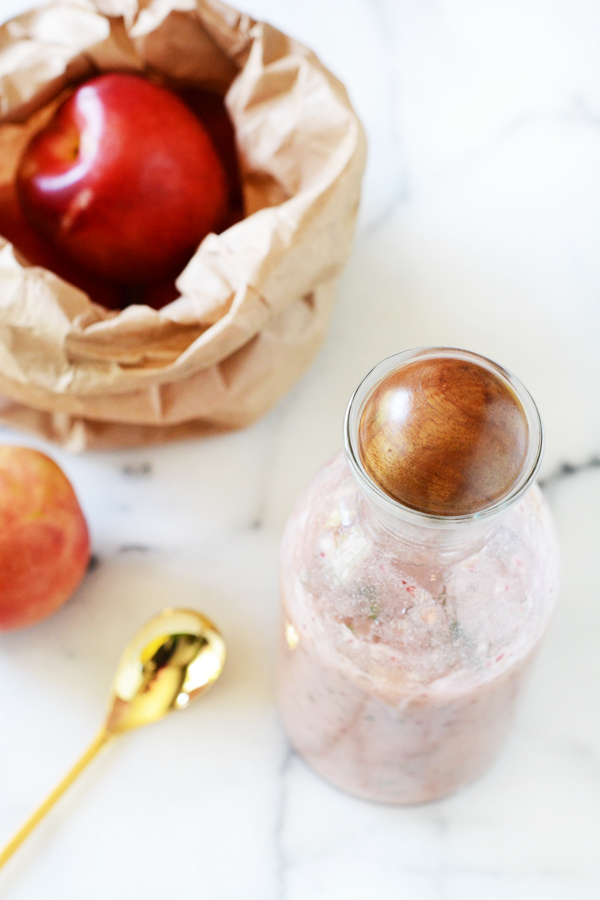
point(480, 228)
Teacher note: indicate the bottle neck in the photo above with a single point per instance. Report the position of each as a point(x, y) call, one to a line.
point(419, 543)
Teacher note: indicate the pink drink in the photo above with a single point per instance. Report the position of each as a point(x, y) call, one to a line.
point(404, 644)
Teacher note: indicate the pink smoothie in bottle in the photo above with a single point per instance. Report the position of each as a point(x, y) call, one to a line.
point(419, 572)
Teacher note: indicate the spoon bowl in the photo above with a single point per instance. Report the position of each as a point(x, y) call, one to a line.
point(173, 659)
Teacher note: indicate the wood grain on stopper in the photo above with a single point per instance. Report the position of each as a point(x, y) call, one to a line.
point(443, 436)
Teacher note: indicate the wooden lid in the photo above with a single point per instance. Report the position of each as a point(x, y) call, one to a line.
point(444, 436)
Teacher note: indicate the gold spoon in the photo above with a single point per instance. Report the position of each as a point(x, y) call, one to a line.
point(174, 658)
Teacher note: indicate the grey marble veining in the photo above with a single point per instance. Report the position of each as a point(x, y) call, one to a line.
point(480, 228)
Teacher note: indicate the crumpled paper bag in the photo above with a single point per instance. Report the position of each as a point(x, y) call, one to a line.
point(255, 300)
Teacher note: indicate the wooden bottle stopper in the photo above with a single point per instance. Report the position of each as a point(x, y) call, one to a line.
point(444, 436)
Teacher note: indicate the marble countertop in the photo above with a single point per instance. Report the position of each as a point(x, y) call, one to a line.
point(479, 228)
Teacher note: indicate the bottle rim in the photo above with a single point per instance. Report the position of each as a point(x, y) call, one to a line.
point(399, 510)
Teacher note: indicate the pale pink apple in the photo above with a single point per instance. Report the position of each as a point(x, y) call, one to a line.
point(44, 540)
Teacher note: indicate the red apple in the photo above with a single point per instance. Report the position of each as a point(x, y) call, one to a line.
point(124, 180)
point(44, 541)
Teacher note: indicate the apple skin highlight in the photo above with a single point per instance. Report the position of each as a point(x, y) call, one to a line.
point(124, 180)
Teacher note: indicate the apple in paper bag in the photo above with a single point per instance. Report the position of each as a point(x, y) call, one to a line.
point(124, 180)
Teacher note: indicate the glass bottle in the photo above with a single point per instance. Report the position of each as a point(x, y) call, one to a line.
point(418, 575)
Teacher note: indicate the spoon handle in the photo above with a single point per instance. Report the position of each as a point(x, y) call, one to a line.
point(99, 741)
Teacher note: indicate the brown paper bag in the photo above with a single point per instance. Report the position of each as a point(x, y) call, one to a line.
point(255, 300)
